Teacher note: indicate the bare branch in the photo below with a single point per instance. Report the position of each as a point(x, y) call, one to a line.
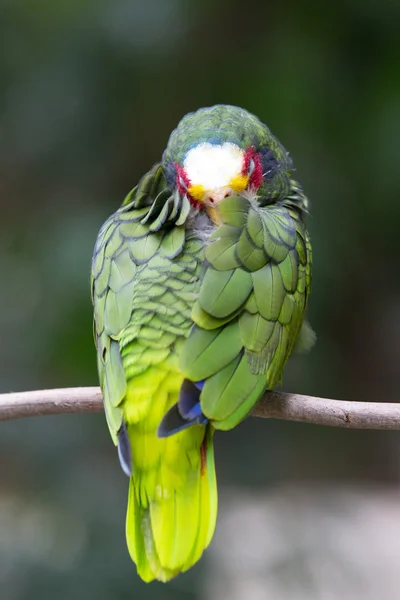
point(274, 405)
point(324, 411)
point(50, 402)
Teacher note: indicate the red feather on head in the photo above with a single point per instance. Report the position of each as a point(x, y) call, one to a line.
point(256, 176)
point(183, 183)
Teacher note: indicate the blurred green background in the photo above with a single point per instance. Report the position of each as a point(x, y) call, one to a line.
point(89, 92)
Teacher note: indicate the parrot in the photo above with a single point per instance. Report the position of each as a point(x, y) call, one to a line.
point(199, 283)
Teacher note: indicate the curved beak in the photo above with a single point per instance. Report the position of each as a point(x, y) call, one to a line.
point(214, 197)
point(211, 199)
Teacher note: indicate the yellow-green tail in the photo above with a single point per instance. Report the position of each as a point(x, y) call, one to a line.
point(172, 503)
point(167, 533)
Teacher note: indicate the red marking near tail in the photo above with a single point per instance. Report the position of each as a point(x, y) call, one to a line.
point(203, 459)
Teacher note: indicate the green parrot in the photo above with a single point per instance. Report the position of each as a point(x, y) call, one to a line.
point(200, 282)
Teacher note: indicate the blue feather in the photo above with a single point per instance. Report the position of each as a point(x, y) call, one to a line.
point(124, 451)
point(186, 412)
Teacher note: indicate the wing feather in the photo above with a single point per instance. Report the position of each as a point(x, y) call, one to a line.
point(250, 307)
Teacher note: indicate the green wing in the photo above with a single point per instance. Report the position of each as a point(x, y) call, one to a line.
point(130, 238)
point(145, 278)
point(251, 305)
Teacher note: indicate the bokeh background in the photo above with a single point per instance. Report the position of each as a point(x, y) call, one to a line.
point(89, 92)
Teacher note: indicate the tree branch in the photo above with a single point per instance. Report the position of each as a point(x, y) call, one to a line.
point(274, 405)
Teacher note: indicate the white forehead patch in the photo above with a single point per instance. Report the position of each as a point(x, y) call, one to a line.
point(213, 166)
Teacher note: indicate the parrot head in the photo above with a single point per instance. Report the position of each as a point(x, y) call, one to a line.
point(222, 151)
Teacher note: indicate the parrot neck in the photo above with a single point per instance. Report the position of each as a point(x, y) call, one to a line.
point(200, 226)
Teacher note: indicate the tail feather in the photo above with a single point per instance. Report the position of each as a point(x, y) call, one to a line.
point(208, 500)
point(168, 534)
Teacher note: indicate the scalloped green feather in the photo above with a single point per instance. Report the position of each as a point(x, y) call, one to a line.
point(102, 279)
point(115, 376)
point(274, 372)
point(114, 414)
point(184, 212)
point(275, 250)
point(255, 331)
point(206, 352)
point(142, 250)
point(302, 281)
point(221, 252)
point(233, 211)
point(235, 392)
point(177, 208)
point(206, 321)
point(255, 227)
point(248, 255)
point(100, 302)
point(105, 234)
point(157, 290)
point(288, 306)
point(122, 270)
point(289, 271)
point(270, 223)
point(164, 214)
point(244, 408)
point(224, 292)
point(285, 228)
point(97, 264)
point(173, 242)
point(161, 204)
point(251, 304)
point(269, 291)
point(216, 384)
point(130, 197)
point(126, 213)
point(133, 230)
point(146, 190)
point(118, 309)
point(301, 249)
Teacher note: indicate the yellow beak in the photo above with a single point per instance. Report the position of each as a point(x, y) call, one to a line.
point(212, 198)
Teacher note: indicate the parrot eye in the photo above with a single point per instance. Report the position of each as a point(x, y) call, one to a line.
point(182, 180)
point(182, 183)
point(251, 166)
